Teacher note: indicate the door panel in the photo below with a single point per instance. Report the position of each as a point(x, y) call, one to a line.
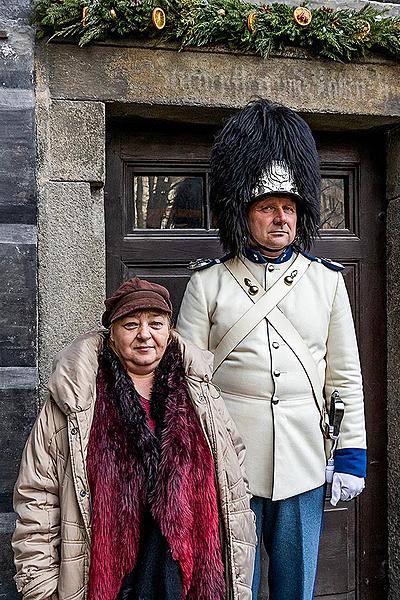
point(158, 220)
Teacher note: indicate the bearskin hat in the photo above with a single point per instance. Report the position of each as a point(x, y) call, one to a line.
point(246, 151)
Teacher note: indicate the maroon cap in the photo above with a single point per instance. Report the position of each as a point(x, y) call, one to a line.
point(136, 294)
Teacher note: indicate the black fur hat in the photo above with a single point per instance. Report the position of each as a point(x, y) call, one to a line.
point(248, 146)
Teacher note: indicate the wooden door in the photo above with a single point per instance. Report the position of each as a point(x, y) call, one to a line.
point(158, 219)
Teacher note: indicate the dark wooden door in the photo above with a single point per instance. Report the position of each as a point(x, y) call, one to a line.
point(158, 219)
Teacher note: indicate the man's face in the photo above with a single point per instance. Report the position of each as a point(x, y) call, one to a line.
point(272, 222)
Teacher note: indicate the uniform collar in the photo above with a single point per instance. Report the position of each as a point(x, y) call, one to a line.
point(256, 256)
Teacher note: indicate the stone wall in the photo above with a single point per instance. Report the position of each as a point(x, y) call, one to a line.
point(393, 333)
point(71, 173)
point(138, 74)
point(75, 90)
point(18, 340)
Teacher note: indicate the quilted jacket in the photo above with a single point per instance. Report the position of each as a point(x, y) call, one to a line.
point(52, 498)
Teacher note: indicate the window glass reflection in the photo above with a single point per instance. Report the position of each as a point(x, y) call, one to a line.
point(168, 202)
point(333, 197)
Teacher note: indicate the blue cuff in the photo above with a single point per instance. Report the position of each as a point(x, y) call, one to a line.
point(352, 461)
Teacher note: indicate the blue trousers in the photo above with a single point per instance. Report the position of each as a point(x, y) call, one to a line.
point(291, 531)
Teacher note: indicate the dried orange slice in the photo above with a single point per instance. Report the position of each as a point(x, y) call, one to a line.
point(302, 16)
point(251, 21)
point(85, 16)
point(158, 18)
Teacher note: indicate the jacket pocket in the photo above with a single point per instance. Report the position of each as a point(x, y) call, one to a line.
point(73, 565)
point(37, 584)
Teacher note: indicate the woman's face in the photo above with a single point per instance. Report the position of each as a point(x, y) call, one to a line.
point(140, 340)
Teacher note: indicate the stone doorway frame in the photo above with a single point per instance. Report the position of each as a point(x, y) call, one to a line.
point(78, 89)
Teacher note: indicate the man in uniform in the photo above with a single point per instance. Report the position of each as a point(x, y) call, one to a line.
point(280, 325)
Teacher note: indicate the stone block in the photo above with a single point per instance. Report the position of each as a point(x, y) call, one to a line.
point(8, 590)
point(71, 266)
point(145, 75)
point(19, 11)
point(18, 296)
point(393, 255)
point(16, 58)
point(393, 488)
point(393, 164)
point(18, 409)
point(77, 141)
point(393, 371)
point(17, 160)
point(18, 378)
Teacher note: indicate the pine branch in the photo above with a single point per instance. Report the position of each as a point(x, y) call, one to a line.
point(341, 35)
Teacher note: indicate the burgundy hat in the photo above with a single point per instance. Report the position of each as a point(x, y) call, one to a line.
point(135, 294)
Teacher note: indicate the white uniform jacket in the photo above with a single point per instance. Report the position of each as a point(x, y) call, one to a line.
point(263, 383)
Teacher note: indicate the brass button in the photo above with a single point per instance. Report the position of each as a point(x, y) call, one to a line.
point(271, 268)
point(275, 345)
point(277, 373)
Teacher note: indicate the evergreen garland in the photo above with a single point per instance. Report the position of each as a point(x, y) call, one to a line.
point(341, 34)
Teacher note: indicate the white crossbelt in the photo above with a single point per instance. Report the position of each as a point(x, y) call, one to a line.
point(265, 307)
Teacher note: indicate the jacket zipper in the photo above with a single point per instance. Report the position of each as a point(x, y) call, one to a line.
point(73, 451)
point(73, 467)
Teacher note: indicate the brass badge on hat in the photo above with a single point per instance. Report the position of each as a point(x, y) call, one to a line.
point(158, 18)
point(302, 16)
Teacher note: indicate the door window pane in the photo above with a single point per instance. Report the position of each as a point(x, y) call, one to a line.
point(333, 198)
point(168, 201)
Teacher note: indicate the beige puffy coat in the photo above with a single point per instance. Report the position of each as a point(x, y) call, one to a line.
point(52, 498)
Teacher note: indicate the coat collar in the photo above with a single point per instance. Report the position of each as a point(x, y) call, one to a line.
point(73, 381)
point(256, 257)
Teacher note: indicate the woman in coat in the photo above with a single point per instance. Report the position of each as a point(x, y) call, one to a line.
point(131, 486)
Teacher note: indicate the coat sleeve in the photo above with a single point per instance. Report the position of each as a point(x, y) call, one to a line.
point(36, 501)
point(234, 435)
point(194, 321)
point(343, 373)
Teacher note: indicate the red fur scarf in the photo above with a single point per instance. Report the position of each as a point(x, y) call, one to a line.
point(173, 469)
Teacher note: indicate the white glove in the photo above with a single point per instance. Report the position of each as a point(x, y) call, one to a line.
point(346, 487)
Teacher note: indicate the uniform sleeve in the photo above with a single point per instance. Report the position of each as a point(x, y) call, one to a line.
point(193, 320)
point(343, 374)
point(37, 535)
